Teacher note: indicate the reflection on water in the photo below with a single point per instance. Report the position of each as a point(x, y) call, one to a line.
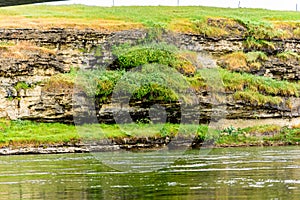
point(235, 173)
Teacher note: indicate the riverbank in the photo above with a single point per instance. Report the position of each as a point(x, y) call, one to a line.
point(24, 137)
point(60, 60)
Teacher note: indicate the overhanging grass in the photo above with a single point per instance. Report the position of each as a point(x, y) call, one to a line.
point(240, 82)
point(165, 87)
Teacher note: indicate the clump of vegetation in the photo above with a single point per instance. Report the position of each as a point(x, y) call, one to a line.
point(201, 27)
point(296, 33)
point(128, 57)
point(235, 61)
point(60, 83)
point(288, 55)
point(240, 61)
point(22, 85)
point(258, 90)
point(262, 31)
point(267, 135)
point(240, 82)
point(256, 56)
point(258, 44)
point(153, 82)
point(208, 26)
point(264, 130)
point(255, 98)
point(289, 28)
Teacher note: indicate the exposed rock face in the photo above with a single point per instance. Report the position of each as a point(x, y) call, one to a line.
point(280, 69)
point(78, 48)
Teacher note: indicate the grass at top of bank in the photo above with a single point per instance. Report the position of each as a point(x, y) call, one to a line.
point(27, 134)
point(147, 15)
point(259, 21)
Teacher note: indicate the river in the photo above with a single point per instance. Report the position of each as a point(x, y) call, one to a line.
point(224, 173)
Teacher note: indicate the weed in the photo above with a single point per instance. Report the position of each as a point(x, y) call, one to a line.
point(258, 44)
point(22, 85)
point(59, 83)
point(288, 55)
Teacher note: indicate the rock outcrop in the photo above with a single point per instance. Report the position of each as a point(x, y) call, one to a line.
point(23, 80)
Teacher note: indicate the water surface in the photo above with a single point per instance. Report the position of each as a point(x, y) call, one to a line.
point(230, 173)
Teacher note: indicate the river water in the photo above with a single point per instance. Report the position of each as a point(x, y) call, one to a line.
point(229, 173)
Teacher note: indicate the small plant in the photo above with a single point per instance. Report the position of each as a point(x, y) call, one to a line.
point(231, 130)
point(296, 33)
point(256, 56)
point(288, 55)
point(258, 44)
point(22, 85)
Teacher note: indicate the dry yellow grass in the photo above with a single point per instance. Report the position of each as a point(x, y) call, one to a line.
point(81, 24)
point(288, 29)
point(209, 26)
point(59, 84)
point(296, 126)
point(236, 60)
point(22, 50)
point(181, 26)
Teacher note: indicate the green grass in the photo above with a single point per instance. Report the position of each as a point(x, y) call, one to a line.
point(19, 133)
point(259, 22)
point(22, 85)
point(25, 133)
point(158, 83)
point(148, 15)
point(259, 135)
point(128, 57)
point(160, 79)
point(240, 82)
point(288, 55)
